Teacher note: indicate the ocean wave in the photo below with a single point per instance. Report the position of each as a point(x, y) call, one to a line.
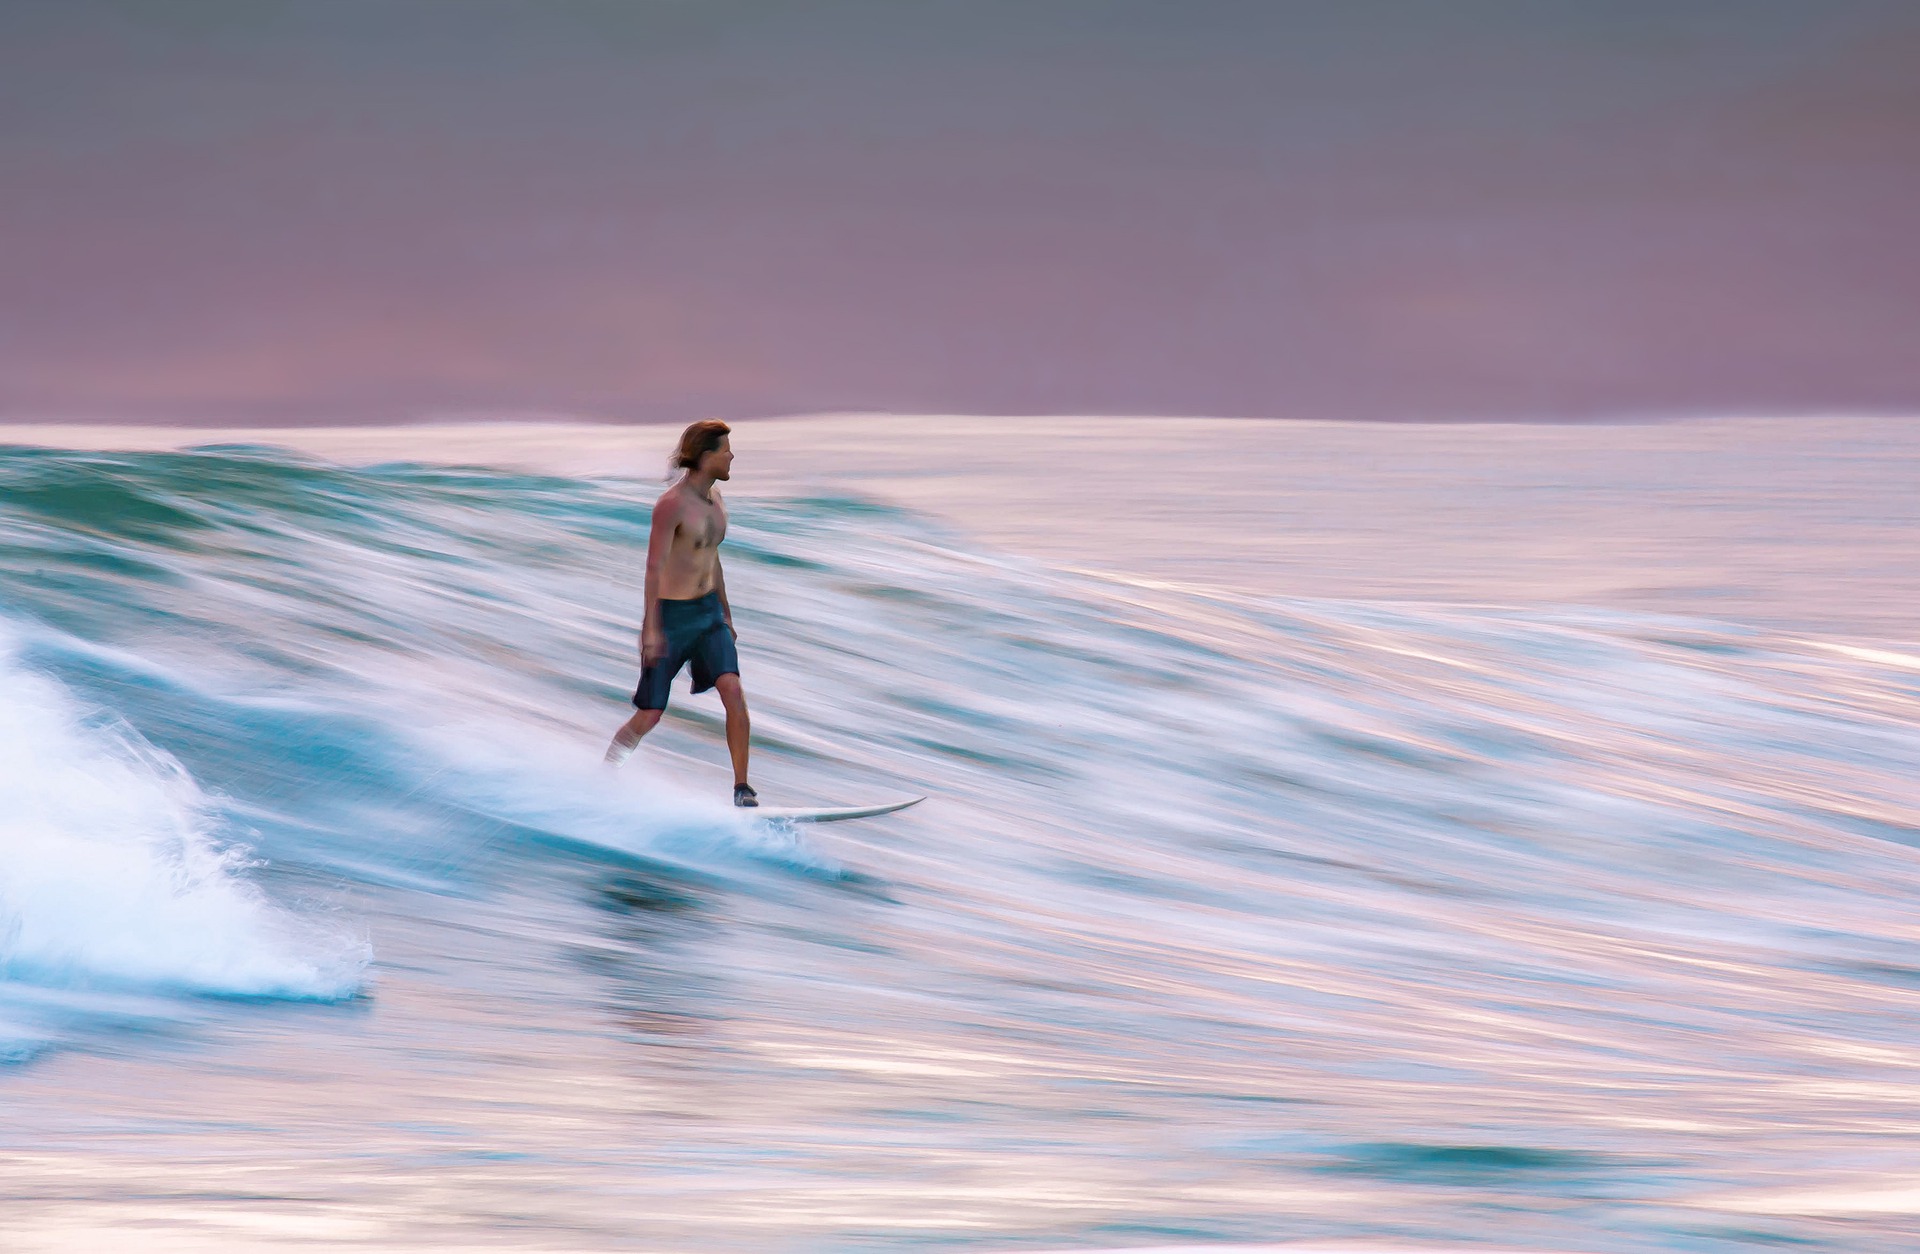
point(396, 673)
point(115, 877)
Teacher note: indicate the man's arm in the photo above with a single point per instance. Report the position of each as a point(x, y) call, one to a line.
point(666, 521)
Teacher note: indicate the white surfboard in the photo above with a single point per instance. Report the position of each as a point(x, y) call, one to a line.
point(833, 814)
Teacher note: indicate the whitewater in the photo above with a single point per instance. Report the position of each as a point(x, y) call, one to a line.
point(1400, 850)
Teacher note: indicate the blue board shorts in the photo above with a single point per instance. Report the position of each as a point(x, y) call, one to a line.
point(696, 632)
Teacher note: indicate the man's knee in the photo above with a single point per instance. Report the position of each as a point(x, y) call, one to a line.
point(731, 694)
point(643, 721)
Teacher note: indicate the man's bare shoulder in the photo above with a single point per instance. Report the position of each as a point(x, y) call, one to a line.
point(671, 505)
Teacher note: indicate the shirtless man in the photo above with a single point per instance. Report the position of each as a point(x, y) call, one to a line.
point(687, 616)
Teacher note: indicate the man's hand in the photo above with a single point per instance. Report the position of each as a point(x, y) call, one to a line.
point(653, 646)
point(730, 629)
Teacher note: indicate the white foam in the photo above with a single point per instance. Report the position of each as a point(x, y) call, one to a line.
point(545, 782)
point(112, 873)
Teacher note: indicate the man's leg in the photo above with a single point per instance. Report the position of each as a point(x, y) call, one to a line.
point(738, 729)
point(629, 735)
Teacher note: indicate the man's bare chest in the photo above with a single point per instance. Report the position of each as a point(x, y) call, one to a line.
point(703, 526)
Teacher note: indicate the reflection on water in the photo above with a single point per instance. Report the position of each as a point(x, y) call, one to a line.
point(1232, 918)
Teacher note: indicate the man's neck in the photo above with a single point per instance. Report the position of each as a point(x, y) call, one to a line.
point(702, 485)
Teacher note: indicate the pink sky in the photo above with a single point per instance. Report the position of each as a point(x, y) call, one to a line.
point(1379, 209)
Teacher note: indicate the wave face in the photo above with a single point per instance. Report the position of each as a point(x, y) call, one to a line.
point(1411, 909)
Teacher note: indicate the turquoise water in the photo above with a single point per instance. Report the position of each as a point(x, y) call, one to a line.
point(1231, 919)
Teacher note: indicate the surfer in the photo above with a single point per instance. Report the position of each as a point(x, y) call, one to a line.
point(687, 618)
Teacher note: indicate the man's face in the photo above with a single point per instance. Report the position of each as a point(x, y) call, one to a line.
point(719, 462)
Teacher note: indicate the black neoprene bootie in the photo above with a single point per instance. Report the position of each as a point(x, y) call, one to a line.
point(744, 795)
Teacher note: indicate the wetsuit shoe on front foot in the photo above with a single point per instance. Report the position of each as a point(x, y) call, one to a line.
point(744, 795)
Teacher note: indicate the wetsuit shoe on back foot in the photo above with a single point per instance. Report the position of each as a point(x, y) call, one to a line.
point(744, 795)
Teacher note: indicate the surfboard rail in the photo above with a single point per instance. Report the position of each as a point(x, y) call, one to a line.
point(829, 814)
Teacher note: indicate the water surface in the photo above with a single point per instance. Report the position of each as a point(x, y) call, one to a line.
point(1492, 908)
